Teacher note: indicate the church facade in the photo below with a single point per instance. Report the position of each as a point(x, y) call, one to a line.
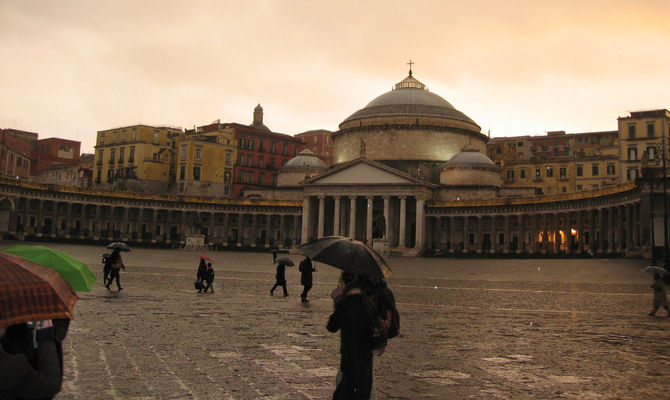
point(410, 177)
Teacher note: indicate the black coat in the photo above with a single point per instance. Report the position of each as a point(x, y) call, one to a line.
point(352, 318)
point(202, 270)
point(306, 270)
point(19, 379)
point(281, 274)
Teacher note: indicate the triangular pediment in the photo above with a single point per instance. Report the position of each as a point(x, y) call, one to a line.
point(363, 172)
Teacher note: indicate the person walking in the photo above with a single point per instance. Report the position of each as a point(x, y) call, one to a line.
point(280, 279)
point(306, 270)
point(660, 295)
point(354, 315)
point(209, 278)
point(116, 264)
point(275, 251)
point(106, 269)
point(201, 277)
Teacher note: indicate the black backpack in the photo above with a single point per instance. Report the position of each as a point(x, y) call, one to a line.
point(388, 310)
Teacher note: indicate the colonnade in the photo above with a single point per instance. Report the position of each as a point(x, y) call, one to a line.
point(601, 230)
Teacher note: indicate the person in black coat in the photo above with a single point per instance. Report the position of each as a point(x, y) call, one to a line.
point(34, 374)
point(353, 317)
point(116, 265)
point(209, 278)
point(280, 279)
point(306, 270)
point(201, 277)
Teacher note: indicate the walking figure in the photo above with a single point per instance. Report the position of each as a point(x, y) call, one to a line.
point(274, 255)
point(202, 275)
point(660, 295)
point(306, 270)
point(280, 279)
point(106, 269)
point(209, 278)
point(116, 264)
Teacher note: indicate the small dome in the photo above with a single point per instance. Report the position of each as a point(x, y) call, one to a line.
point(306, 159)
point(470, 159)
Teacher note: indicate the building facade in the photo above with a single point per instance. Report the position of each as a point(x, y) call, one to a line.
point(319, 142)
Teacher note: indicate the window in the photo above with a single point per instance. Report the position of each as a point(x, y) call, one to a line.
point(122, 152)
point(580, 170)
point(114, 136)
point(632, 174)
point(102, 138)
point(250, 144)
point(260, 145)
point(131, 156)
point(112, 153)
point(272, 163)
point(564, 189)
point(650, 130)
point(196, 173)
point(261, 179)
point(651, 153)
point(133, 134)
point(537, 174)
point(520, 144)
point(632, 153)
point(260, 161)
point(498, 150)
point(631, 131)
point(198, 153)
point(274, 180)
point(227, 176)
point(611, 170)
point(229, 157)
point(241, 143)
point(123, 136)
point(510, 175)
point(594, 169)
point(285, 149)
point(100, 156)
point(522, 173)
point(183, 153)
point(156, 137)
point(182, 171)
point(563, 173)
point(250, 160)
point(579, 188)
point(550, 172)
point(273, 147)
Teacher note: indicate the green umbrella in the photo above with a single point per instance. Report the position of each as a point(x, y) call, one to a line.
point(75, 272)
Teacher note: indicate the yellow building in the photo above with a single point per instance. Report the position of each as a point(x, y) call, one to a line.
point(205, 161)
point(138, 157)
point(641, 137)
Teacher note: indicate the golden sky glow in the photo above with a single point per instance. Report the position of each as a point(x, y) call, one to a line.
point(71, 68)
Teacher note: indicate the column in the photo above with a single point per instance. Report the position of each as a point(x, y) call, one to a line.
point(580, 229)
point(211, 231)
point(508, 233)
point(322, 208)
point(352, 217)
point(533, 234)
point(368, 221)
point(294, 237)
point(68, 218)
point(124, 228)
point(403, 218)
point(452, 232)
point(268, 230)
point(387, 232)
point(479, 246)
point(283, 222)
point(254, 229)
point(603, 231)
point(336, 217)
point(611, 228)
point(140, 221)
point(240, 229)
point(494, 234)
point(466, 234)
point(304, 238)
point(420, 224)
point(39, 225)
point(557, 233)
point(226, 228)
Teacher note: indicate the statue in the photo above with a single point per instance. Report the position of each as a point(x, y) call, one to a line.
point(379, 227)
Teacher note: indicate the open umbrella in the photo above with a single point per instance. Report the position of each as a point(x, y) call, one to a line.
point(204, 257)
point(653, 269)
point(346, 254)
point(118, 246)
point(285, 261)
point(75, 272)
point(31, 292)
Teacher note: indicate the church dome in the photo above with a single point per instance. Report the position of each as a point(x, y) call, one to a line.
point(306, 159)
point(470, 167)
point(409, 98)
point(470, 159)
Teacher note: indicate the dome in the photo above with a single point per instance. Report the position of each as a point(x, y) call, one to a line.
point(470, 159)
point(306, 159)
point(409, 98)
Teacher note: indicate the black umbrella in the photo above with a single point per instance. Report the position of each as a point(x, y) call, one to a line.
point(653, 269)
point(118, 246)
point(346, 254)
point(285, 261)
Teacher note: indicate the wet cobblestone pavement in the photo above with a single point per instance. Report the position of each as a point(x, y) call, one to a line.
point(470, 329)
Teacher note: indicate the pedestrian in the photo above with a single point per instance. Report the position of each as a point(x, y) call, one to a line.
point(280, 279)
point(660, 295)
point(275, 250)
point(31, 367)
point(202, 275)
point(106, 269)
point(354, 316)
point(306, 270)
point(209, 278)
point(116, 264)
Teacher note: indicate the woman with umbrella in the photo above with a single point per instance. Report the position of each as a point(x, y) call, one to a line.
point(116, 265)
point(280, 277)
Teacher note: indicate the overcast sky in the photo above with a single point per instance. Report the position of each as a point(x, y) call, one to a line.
point(72, 68)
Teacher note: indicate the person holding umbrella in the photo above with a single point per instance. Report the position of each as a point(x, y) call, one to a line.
point(306, 270)
point(280, 276)
point(201, 277)
point(660, 295)
point(116, 265)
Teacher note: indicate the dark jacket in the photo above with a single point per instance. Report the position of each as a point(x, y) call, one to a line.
point(306, 270)
point(19, 379)
point(202, 270)
point(281, 273)
point(352, 318)
point(209, 275)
